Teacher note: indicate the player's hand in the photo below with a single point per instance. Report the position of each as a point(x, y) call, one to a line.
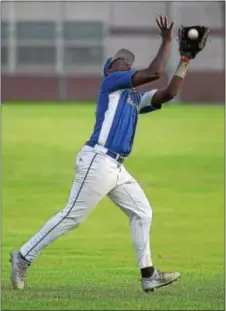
point(166, 30)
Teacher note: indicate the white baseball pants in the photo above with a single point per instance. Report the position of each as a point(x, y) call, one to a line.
point(98, 175)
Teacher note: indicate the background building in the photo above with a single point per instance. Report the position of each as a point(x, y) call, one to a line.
point(56, 50)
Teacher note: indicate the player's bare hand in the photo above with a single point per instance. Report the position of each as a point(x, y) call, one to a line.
point(166, 29)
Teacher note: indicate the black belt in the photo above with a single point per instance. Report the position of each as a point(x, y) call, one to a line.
point(112, 154)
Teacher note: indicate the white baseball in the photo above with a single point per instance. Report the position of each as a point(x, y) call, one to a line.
point(193, 34)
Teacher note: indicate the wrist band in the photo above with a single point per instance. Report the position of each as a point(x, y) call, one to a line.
point(185, 59)
point(182, 69)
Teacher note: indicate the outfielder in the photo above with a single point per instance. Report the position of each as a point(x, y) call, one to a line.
point(99, 164)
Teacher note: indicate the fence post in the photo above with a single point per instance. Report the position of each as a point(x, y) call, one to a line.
point(62, 80)
point(12, 39)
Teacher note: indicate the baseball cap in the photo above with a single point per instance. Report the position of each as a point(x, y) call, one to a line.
point(122, 53)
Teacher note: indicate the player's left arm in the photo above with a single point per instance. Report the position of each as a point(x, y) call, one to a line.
point(174, 86)
point(154, 99)
point(188, 51)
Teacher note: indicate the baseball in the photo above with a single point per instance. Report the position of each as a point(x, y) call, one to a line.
point(193, 34)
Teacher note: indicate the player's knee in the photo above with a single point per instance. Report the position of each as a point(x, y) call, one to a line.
point(146, 214)
point(74, 216)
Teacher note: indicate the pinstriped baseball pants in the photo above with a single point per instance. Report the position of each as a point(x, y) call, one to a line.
point(98, 175)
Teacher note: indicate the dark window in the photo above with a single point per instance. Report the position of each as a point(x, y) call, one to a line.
point(36, 55)
point(4, 55)
point(83, 55)
point(35, 30)
point(82, 30)
point(4, 30)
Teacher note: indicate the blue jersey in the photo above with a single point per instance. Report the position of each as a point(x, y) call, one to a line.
point(118, 107)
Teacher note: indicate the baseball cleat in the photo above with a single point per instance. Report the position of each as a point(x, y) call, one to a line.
point(159, 279)
point(18, 270)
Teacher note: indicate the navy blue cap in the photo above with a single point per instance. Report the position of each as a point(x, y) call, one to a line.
point(123, 53)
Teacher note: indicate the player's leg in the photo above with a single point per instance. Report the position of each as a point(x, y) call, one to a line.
point(130, 197)
point(133, 202)
point(95, 177)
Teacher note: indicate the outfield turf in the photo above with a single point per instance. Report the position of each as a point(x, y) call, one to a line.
point(177, 158)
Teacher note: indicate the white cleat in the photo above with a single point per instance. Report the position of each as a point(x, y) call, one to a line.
point(18, 270)
point(159, 279)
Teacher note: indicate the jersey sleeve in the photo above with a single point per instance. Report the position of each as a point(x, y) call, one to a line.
point(117, 81)
point(145, 105)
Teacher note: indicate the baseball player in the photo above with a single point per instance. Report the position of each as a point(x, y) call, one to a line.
point(99, 164)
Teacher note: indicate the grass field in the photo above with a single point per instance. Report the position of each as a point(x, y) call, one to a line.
point(178, 159)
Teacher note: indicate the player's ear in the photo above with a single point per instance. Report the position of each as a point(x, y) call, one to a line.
point(111, 69)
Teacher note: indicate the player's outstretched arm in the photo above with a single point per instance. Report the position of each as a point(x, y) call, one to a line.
point(189, 48)
point(157, 66)
point(171, 91)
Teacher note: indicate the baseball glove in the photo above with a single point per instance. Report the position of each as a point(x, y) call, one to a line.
point(191, 47)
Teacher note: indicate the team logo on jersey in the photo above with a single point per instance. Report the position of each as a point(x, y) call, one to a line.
point(134, 103)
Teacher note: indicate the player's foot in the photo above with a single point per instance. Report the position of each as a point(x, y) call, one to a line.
point(159, 279)
point(18, 270)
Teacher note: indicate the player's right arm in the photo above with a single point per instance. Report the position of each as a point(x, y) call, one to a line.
point(155, 69)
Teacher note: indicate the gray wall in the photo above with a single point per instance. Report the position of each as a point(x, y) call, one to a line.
point(38, 67)
point(131, 14)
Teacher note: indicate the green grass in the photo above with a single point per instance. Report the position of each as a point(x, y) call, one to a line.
point(178, 158)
